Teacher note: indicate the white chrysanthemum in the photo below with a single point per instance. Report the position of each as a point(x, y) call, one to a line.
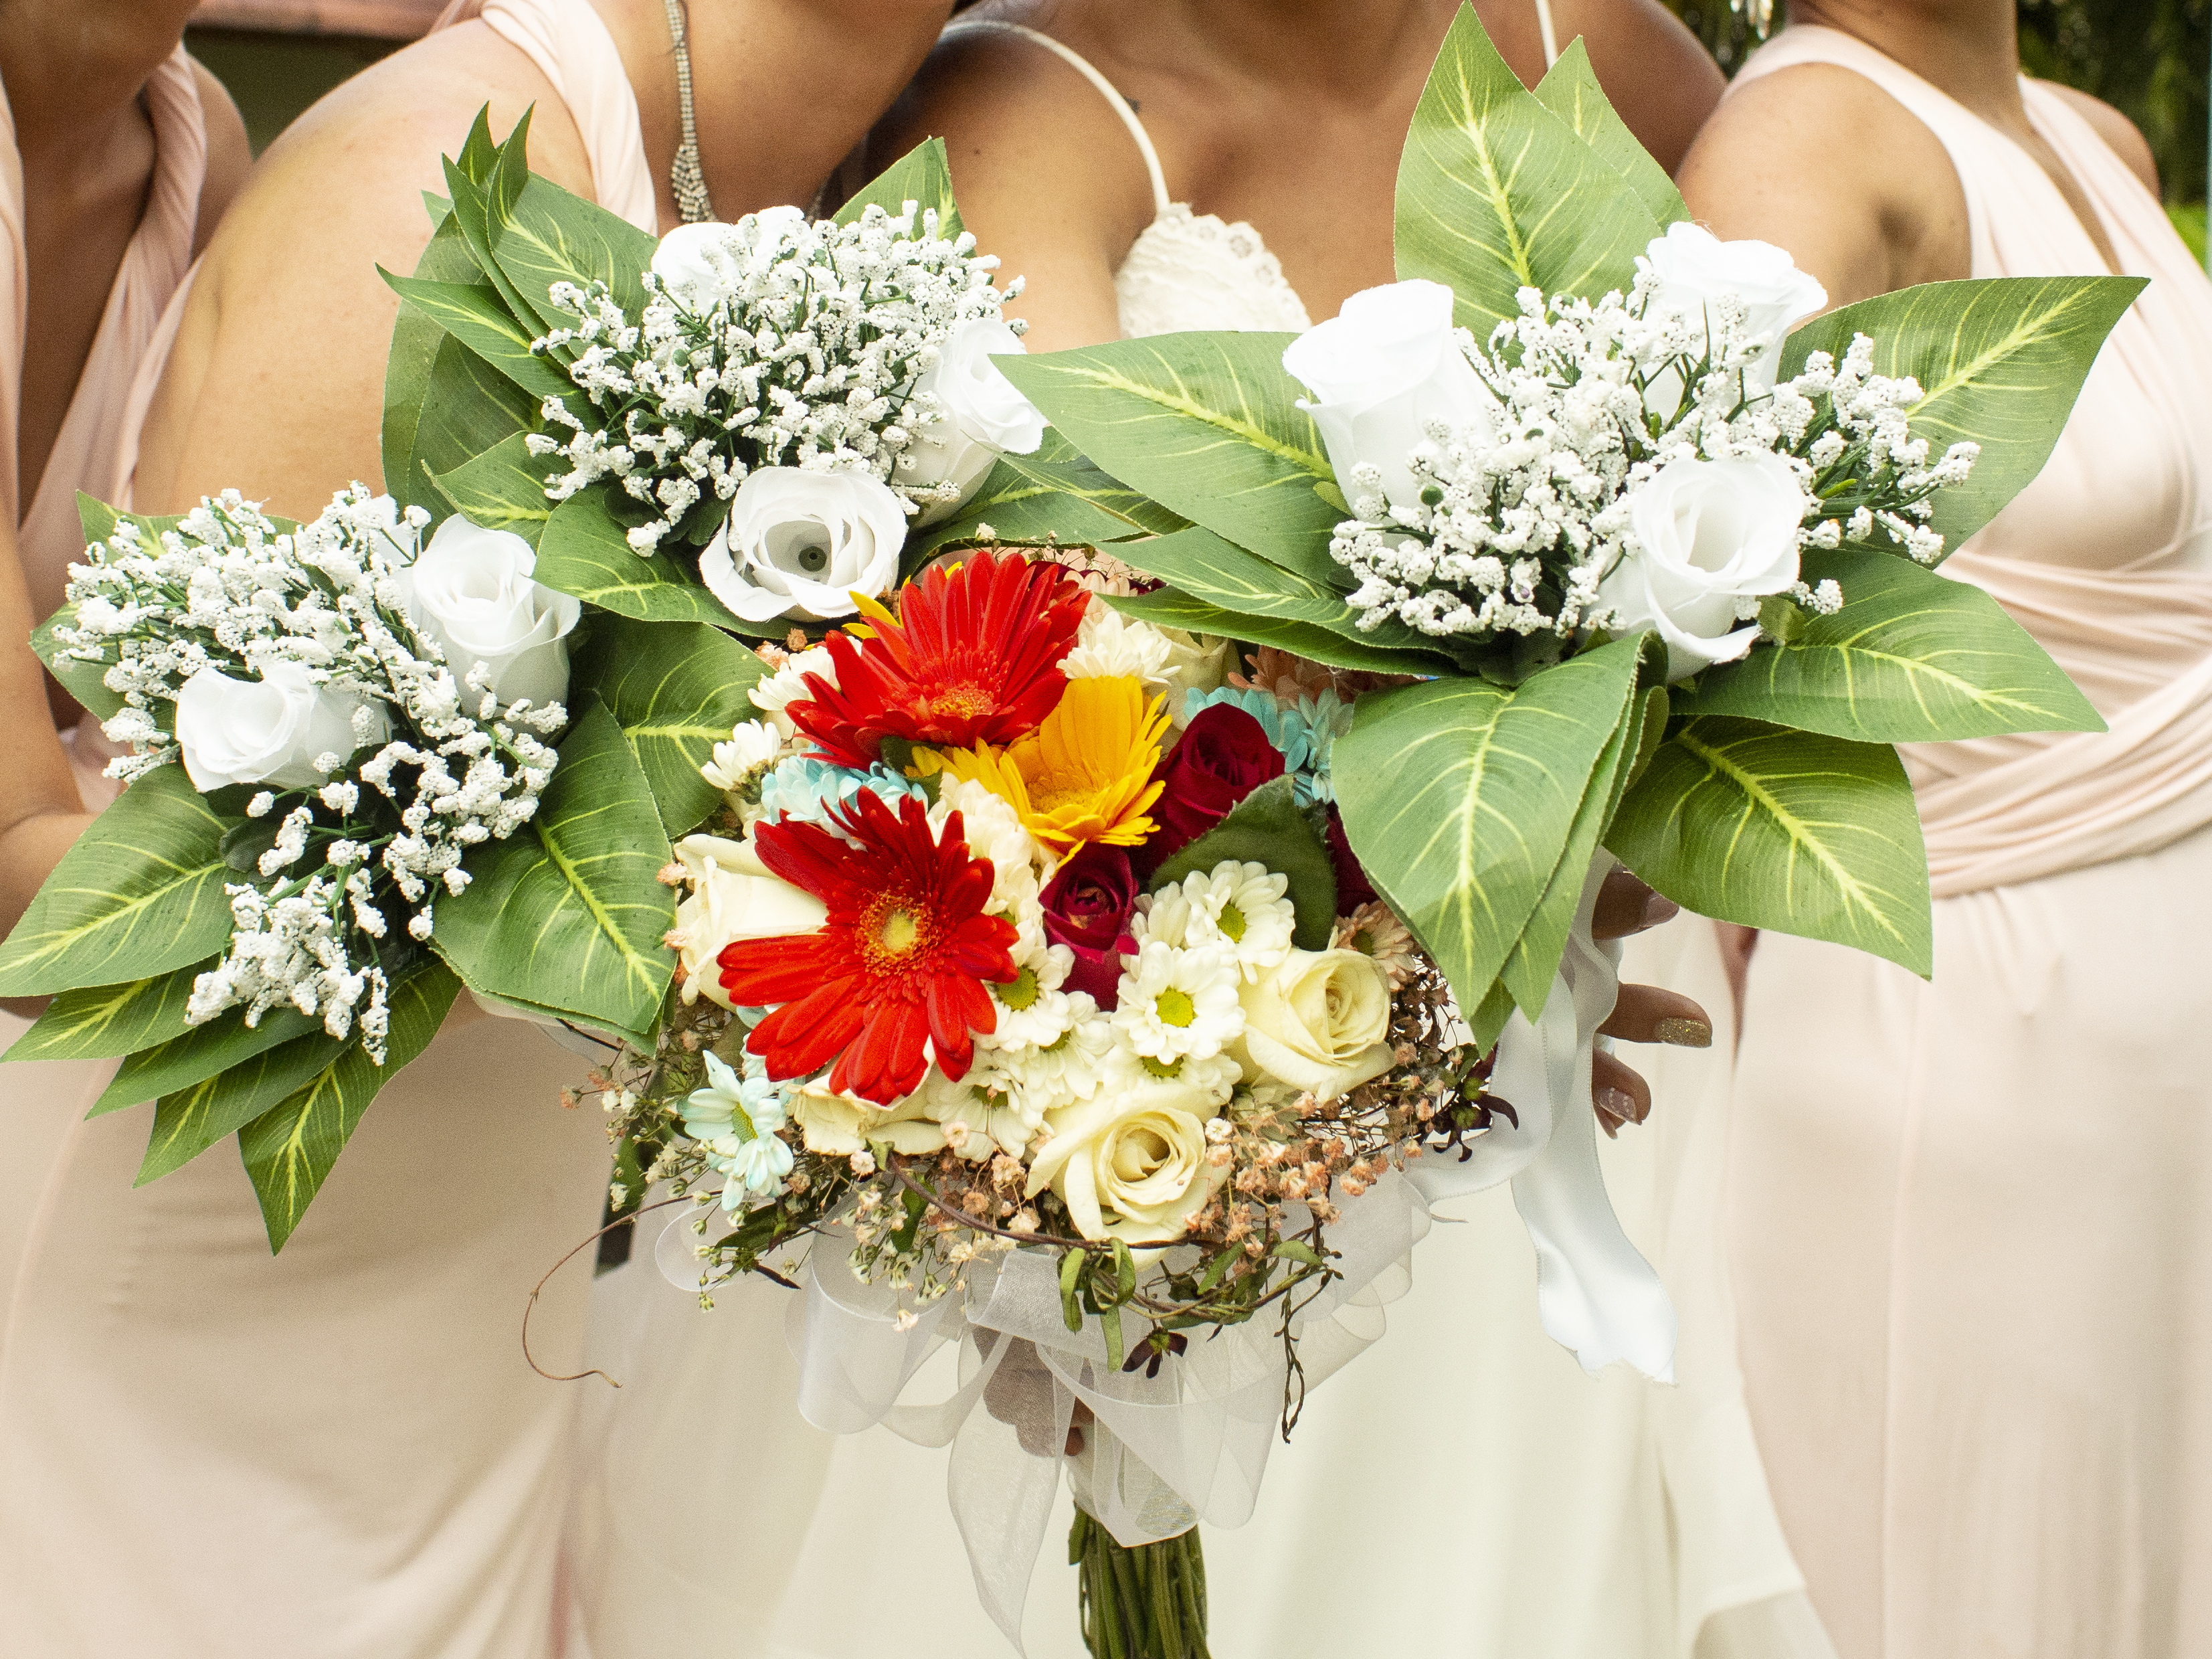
point(788, 684)
point(1126, 1069)
point(752, 745)
point(1164, 916)
point(1049, 1076)
point(1176, 1003)
point(1241, 909)
point(1033, 1011)
point(1111, 644)
point(993, 832)
point(980, 1114)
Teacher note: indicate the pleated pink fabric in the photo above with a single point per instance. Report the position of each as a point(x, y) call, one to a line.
point(1971, 1222)
point(340, 1453)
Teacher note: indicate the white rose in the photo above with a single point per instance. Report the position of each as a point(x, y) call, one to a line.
point(271, 730)
point(1318, 1023)
point(700, 263)
point(1694, 267)
point(800, 544)
point(985, 418)
point(1380, 371)
point(838, 1124)
point(471, 592)
point(732, 895)
point(1138, 1154)
point(1711, 533)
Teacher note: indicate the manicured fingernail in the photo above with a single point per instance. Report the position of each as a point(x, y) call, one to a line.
point(1618, 1106)
point(1683, 1033)
point(1658, 908)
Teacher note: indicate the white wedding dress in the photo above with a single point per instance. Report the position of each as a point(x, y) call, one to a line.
point(1469, 1492)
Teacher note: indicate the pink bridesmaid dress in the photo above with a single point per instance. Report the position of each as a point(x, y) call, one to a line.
point(340, 1453)
point(1970, 1222)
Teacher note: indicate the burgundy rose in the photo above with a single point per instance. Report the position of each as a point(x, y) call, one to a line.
point(1086, 908)
point(1223, 756)
point(1352, 887)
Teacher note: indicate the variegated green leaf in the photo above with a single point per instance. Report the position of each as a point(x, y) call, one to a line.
point(569, 915)
point(1208, 425)
point(1496, 193)
point(1166, 608)
point(676, 689)
point(1267, 827)
point(83, 679)
point(476, 315)
point(583, 551)
point(922, 176)
point(1912, 657)
point(140, 893)
point(1796, 831)
point(1218, 572)
point(202, 1052)
point(503, 488)
point(552, 236)
point(1999, 362)
point(1571, 91)
point(1459, 797)
point(290, 1149)
point(189, 1120)
point(100, 1022)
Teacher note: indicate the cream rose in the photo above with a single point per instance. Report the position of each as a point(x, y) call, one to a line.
point(272, 730)
point(1130, 1166)
point(1195, 662)
point(985, 418)
point(1317, 1022)
point(1380, 371)
point(1692, 268)
point(732, 895)
point(1709, 535)
point(471, 591)
point(800, 544)
point(838, 1125)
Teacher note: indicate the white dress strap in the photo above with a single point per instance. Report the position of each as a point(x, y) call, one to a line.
point(1551, 34)
point(1082, 66)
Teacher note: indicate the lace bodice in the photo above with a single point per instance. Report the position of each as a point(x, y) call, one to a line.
point(1185, 270)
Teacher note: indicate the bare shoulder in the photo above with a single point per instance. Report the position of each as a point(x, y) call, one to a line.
point(1766, 167)
point(2122, 135)
point(276, 383)
point(229, 155)
point(1656, 73)
point(1025, 133)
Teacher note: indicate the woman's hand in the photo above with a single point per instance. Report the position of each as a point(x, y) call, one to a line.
point(1644, 1013)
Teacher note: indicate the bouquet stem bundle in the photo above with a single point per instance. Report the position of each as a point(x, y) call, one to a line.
point(1143, 1603)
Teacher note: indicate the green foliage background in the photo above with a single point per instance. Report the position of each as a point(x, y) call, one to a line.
point(2148, 59)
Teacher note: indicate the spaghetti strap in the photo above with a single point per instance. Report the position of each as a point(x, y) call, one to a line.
point(1551, 34)
point(1076, 61)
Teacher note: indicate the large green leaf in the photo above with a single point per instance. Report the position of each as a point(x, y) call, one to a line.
point(1459, 798)
point(1205, 424)
point(140, 893)
point(1569, 90)
point(191, 1119)
point(504, 487)
point(1198, 562)
point(290, 1149)
point(922, 176)
point(676, 689)
point(583, 551)
point(2000, 361)
point(1267, 828)
point(83, 679)
point(443, 404)
point(1912, 657)
point(1496, 193)
point(100, 1022)
point(476, 315)
point(1166, 608)
point(200, 1051)
point(569, 915)
point(1057, 492)
point(1793, 830)
point(552, 236)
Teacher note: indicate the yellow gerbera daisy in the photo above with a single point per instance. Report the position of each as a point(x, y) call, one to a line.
point(1085, 774)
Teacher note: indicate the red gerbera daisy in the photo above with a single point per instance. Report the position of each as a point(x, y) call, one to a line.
point(972, 657)
point(902, 959)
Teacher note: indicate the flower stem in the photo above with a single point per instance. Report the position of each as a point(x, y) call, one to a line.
point(1143, 1603)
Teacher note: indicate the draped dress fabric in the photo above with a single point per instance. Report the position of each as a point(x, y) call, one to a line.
point(340, 1453)
point(1970, 1221)
point(1467, 1491)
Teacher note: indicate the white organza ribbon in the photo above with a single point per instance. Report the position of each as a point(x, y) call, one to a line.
point(1191, 1443)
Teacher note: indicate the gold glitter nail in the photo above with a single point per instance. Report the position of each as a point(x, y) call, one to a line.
point(1683, 1033)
